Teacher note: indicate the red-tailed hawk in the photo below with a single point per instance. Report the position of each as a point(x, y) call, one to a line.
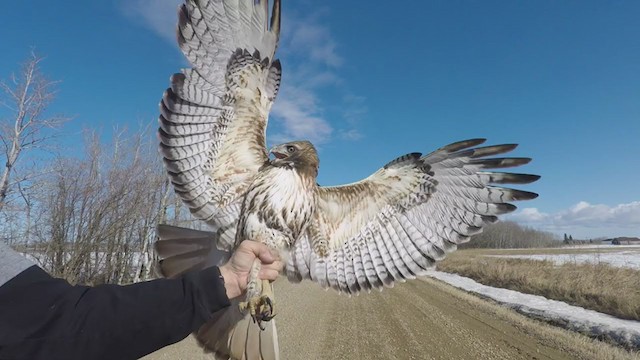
point(393, 225)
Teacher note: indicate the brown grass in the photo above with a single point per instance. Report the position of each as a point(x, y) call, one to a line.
point(575, 345)
point(600, 287)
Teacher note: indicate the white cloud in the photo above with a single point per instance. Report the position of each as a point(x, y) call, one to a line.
point(297, 108)
point(585, 214)
point(528, 215)
point(585, 218)
point(311, 38)
point(310, 59)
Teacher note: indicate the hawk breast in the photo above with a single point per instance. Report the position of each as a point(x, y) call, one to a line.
point(277, 207)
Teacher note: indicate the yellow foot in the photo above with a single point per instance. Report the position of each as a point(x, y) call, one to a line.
point(261, 309)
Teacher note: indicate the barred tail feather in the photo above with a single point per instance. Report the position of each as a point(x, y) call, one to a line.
point(182, 250)
point(230, 335)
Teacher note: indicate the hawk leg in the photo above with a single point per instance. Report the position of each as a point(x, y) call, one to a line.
point(259, 301)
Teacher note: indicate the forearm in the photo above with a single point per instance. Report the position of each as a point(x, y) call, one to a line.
point(150, 315)
point(109, 321)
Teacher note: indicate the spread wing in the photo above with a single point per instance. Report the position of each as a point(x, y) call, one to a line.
point(398, 222)
point(214, 115)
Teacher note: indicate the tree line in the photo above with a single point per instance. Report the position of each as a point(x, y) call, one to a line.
point(87, 216)
point(511, 235)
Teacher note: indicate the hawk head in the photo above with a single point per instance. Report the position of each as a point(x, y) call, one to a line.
point(301, 155)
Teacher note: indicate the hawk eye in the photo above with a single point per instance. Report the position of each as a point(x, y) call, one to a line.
point(290, 149)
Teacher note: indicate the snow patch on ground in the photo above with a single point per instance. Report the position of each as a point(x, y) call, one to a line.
point(599, 246)
point(588, 322)
point(628, 258)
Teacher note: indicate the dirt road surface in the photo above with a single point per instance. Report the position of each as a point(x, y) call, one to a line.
point(420, 319)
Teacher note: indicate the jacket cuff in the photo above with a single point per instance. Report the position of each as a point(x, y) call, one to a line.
point(209, 284)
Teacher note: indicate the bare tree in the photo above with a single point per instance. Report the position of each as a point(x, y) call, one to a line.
point(100, 211)
point(90, 217)
point(26, 97)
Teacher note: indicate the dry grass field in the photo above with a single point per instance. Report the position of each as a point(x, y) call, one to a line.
point(597, 286)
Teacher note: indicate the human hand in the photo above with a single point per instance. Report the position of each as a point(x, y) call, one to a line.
point(236, 271)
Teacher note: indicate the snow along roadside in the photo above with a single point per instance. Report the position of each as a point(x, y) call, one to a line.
point(588, 322)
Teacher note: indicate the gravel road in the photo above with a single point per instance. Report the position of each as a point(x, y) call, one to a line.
point(420, 319)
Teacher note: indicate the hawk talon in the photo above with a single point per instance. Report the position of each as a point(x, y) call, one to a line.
point(261, 309)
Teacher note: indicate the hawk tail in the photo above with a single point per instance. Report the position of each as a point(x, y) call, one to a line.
point(182, 250)
point(233, 335)
point(230, 334)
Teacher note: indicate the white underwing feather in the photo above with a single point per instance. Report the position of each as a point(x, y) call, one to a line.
point(399, 221)
point(208, 112)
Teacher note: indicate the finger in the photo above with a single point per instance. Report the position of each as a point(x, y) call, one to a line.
point(275, 253)
point(259, 250)
point(268, 274)
point(265, 255)
point(276, 265)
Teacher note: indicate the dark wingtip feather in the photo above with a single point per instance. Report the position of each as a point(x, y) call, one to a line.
point(275, 18)
point(464, 144)
point(505, 208)
point(492, 150)
point(513, 178)
point(531, 177)
point(489, 219)
point(276, 64)
point(496, 163)
point(522, 195)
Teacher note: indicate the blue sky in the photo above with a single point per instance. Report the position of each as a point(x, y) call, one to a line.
point(368, 81)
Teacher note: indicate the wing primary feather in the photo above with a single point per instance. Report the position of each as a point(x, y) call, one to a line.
point(379, 262)
point(394, 244)
point(294, 270)
point(418, 262)
point(321, 272)
point(496, 163)
point(372, 279)
point(492, 150)
point(332, 276)
point(303, 252)
point(481, 179)
point(339, 263)
point(275, 19)
point(357, 268)
point(488, 194)
point(425, 225)
point(464, 144)
point(385, 245)
point(484, 151)
point(424, 247)
point(510, 178)
point(405, 264)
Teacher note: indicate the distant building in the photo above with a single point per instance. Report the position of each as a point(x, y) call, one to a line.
point(625, 241)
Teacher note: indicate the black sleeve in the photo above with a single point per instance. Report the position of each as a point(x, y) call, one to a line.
point(47, 318)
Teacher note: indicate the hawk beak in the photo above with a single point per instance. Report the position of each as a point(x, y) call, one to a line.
point(276, 153)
